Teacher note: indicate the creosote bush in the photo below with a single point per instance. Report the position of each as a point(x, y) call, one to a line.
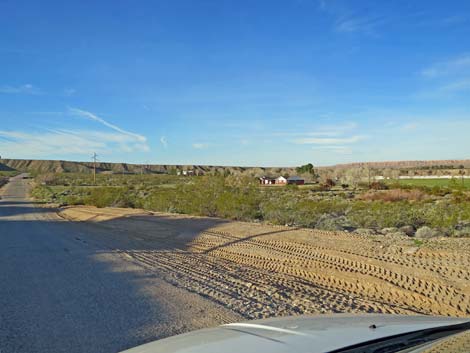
point(394, 195)
point(241, 198)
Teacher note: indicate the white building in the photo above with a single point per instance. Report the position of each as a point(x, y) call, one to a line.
point(281, 180)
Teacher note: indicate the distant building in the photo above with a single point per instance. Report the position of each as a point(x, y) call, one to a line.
point(267, 181)
point(186, 172)
point(295, 180)
point(280, 180)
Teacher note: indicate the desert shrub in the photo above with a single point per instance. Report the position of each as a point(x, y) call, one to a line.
point(201, 198)
point(324, 187)
point(393, 195)
point(330, 182)
point(426, 232)
point(238, 204)
point(378, 185)
point(436, 190)
point(456, 184)
point(462, 230)
point(73, 200)
point(8, 173)
point(328, 221)
point(447, 215)
point(43, 193)
point(3, 181)
point(301, 212)
point(47, 179)
point(379, 214)
point(162, 200)
point(242, 199)
point(459, 196)
point(110, 197)
point(279, 210)
point(209, 196)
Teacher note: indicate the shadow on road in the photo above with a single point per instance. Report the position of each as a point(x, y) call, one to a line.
point(19, 208)
point(14, 203)
point(132, 232)
point(65, 290)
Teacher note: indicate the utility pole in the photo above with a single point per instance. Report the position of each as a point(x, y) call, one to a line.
point(94, 167)
point(144, 168)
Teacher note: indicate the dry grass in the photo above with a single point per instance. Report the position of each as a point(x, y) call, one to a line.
point(393, 195)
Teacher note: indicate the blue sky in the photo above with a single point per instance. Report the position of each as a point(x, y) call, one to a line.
point(272, 83)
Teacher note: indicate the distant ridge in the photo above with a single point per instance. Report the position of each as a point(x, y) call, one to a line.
point(408, 164)
point(59, 166)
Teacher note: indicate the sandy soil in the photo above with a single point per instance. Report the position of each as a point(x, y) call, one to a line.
point(260, 271)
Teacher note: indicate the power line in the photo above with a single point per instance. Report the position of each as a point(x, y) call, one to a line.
point(94, 167)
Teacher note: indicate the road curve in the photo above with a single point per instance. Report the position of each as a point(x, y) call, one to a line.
point(65, 288)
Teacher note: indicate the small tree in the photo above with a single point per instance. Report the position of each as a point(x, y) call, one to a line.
point(308, 172)
point(307, 168)
point(46, 179)
point(354, 176)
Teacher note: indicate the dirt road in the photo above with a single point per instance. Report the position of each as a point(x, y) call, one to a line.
point(65, 288)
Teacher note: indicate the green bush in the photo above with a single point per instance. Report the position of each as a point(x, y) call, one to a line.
point(380, 214)
point(110, 197)
point(242, 199)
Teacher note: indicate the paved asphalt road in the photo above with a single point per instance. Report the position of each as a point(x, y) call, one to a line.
point(65, 288)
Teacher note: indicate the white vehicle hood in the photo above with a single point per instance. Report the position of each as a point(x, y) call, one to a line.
point(319, 333)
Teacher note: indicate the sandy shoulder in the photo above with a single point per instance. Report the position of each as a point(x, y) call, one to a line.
point(260, 270)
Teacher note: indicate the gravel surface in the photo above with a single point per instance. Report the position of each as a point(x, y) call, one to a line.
point(65, 289)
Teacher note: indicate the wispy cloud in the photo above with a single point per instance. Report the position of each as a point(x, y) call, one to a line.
point(61, 142)
point(446, 79)
point(334, 149)
point(23, 89)
point(164, 141)
point(358, 24)
point(200, 145)
point(334, 130)
point(428, 19)
point(347, 21)
point(456, 86)
point(44, 142)
point(68, 92)
point(323, 130)
point(91, 116)
point(456, 66)
point(410, 126)
point(328, 140)
point(334, 138)
point(57, 113)
point(322, 4)
point(455, 20)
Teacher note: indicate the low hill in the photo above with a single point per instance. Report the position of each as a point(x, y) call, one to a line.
point(449, 163)
point(57, 166)
point(54, 166)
